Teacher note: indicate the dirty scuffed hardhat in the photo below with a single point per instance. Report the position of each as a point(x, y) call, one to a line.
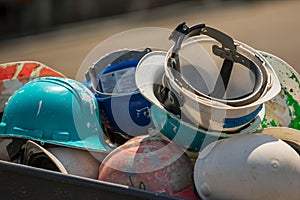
point(124, 111)
point(209, 81)
point(284, 109)
point(150, 163)
point(57, 111)
point(250, 166)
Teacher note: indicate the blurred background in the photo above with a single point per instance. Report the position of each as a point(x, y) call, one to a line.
point(61, 33)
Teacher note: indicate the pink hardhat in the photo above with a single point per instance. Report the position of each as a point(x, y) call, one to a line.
point(150, 163)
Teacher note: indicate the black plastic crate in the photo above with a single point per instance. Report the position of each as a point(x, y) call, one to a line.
point(23, 182)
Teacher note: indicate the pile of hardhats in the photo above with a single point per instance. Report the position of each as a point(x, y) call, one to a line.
point(211, 118)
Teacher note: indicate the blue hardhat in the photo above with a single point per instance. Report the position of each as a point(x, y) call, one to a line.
point(58, 111)
point(124, 112)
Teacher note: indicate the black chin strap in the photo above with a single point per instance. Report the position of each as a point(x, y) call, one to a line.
point(222, 80)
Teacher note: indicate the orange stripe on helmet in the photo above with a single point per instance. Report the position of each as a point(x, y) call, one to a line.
point(27, 69)
point(7, 72)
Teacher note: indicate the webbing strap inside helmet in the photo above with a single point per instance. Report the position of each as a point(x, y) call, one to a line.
point(227, 51)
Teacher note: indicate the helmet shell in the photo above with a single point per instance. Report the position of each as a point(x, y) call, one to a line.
point(54, 110)
point(149, 163)
point(257, 166)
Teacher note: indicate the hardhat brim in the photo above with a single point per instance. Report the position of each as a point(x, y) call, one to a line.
point(91, 143)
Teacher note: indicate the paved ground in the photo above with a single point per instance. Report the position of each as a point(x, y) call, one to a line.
point(271, 26)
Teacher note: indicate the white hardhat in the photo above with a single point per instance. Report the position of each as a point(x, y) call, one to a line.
point(251, 166)
point(211, 80)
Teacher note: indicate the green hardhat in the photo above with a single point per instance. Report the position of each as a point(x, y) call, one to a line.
point(52, 110)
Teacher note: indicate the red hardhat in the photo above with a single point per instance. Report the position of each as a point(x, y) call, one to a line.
point(150, 163)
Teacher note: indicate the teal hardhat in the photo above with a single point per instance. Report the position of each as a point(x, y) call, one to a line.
point(53, 110)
